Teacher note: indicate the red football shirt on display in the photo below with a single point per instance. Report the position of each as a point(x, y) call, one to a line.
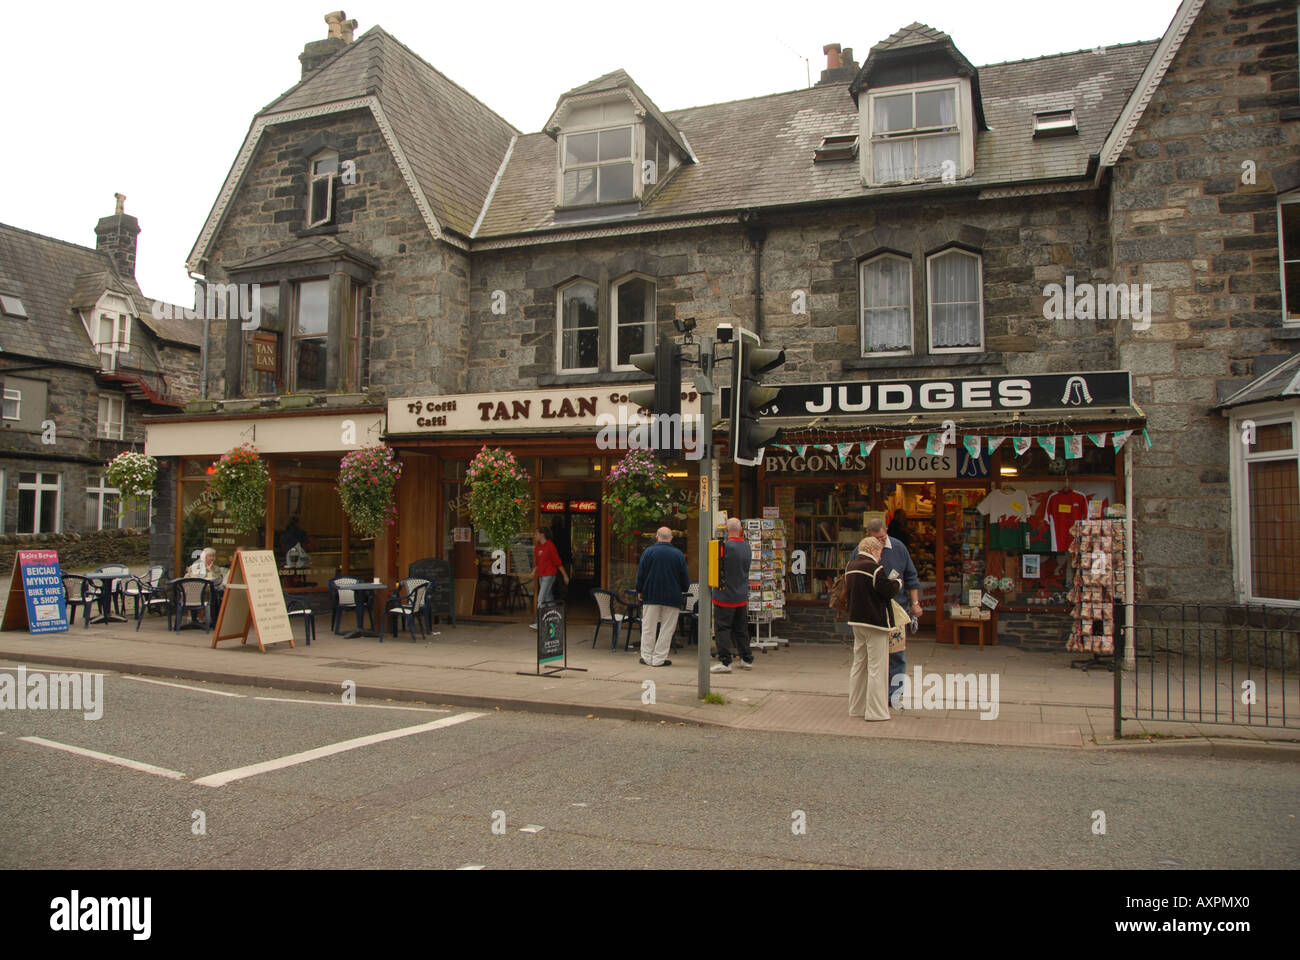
point(1064, 509)
point(546, 559)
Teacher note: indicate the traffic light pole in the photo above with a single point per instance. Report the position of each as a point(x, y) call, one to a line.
point(704, 609)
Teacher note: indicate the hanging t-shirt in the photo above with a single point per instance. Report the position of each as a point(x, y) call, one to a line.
point(1065, 508)
point(1004, 505)
point(1006, 535)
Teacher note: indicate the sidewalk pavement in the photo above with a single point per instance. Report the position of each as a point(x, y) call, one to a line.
point(800, 688)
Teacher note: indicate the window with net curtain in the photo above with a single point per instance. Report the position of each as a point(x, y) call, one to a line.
point(634, 318)
point(913, 134)
point(956, 301)
point(579, 331)
point(886, 305)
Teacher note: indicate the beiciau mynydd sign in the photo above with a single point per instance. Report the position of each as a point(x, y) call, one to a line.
point(575, 409)
point(1050, 392)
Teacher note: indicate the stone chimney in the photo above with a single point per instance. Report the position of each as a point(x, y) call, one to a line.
point(840, 65)
point(116, 236)
point(338, 37)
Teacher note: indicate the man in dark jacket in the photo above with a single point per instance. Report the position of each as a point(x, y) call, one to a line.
point(731, 602)
point(871, 588)
point(661, 580)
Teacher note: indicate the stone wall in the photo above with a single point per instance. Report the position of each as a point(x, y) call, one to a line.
point(810, 260)
point(79, 552)
point(418, 336)
point(1186, 219)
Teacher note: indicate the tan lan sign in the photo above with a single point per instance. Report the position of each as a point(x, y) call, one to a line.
point(254, 600)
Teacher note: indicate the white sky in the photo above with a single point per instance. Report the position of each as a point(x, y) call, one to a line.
point(153, 99)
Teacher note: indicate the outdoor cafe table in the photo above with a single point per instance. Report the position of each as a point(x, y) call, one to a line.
point(106, 581)
point(368, 588)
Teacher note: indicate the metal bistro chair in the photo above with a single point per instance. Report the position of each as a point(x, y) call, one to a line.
point(689, 621)
point(408, 603)
point(344, 599)
point(148, 593)
point(607, 604)
point(297, 607)
point(118, 599)
point(192, 595)
point(78, 591)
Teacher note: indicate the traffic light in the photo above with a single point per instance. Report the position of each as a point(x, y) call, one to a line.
point(748, 397)
point(665, 400)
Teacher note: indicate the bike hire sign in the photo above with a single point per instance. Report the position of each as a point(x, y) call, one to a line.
point(36, 600)
point(1058, 393)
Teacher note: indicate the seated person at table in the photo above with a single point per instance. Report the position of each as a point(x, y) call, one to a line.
point(290, 537)
point(206, 567)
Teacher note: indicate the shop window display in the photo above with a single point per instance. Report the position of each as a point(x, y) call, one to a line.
point(824, 522)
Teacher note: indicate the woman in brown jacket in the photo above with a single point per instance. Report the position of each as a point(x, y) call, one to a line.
point(870, 588)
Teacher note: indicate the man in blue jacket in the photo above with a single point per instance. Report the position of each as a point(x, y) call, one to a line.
point(896, 557)
point(661, 580)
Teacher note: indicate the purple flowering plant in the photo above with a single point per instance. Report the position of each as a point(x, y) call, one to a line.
point(639, 495)
point(368, 488)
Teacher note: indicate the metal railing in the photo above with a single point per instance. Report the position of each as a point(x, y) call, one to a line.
point(1210, 663)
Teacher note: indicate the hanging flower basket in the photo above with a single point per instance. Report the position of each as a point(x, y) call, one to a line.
point(368, 488)
point(240, 479)
point(639, 496)
point(133, 474)
point(499, 495)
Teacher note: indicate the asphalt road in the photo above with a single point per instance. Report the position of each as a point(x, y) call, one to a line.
point(604, 793)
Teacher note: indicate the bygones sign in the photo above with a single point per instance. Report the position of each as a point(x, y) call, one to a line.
point(571, 409)
point(1057, 392)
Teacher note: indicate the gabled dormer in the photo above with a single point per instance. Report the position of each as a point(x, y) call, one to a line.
point(919, 110)
point(616, 148)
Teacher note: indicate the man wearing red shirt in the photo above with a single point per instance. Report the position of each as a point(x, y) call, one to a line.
point(546, 564)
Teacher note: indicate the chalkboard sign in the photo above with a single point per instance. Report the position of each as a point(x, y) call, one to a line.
point(550, 633)
point(442, 600)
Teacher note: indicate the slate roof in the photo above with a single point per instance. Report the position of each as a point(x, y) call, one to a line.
point(913, 35)
point(453, 142)
point(307, 250)
point(54, 277)
point(759, 152)
point(1280, 383)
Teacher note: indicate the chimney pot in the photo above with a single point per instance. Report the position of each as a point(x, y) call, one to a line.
point(847, 57)
point(116, 236)
point(338, 36)
point(832, 51)
point(121, 204)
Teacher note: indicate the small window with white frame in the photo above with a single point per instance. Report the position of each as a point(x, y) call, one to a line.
point(320, 195)
point(916, 134)
point(12, 408)
point(577, 344)
point(886, 297)
point(112, 417)
point(112, 336)
point(40, 503)
point(1288, 242)
point(632, 320)
point(598, 167)
point(955, 301)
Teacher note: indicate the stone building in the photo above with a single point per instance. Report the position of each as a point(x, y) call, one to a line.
point(1050, 255)
point(82, 358)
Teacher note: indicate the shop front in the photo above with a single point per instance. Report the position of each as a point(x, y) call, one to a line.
point(982, 493)
point(304, 523)
point(556, 436)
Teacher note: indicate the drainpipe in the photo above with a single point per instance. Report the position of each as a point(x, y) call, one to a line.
point(203, 352)
point(757, 234)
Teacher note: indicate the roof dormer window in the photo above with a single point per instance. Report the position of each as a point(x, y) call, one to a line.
point(915, 134)
point(598, 167)
point(1050, 123)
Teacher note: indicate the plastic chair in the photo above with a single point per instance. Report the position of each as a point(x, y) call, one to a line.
point(78, 591)
point(408, 603)
point(143, 591)
point(119, 586)
point(689, 620)
point(606, 605)
point(192, 595)
point(427, 569)
point(297, 607)
point(341, 598)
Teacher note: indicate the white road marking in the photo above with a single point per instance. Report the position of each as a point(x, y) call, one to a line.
point(532, 828)
point(108, 758)
point(252, 770)
point(339, 703)
point(181, 686)
point(471, 866)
